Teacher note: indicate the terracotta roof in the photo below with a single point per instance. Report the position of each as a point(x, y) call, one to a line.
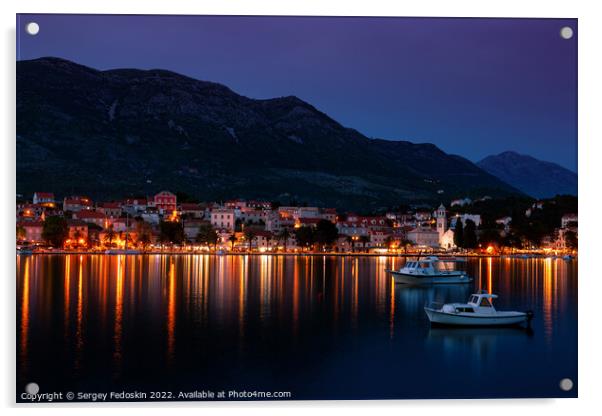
point(88, 215)
point(78, 201)
point(30, 223)
point(76, 223)
point(309, 220)
point(49, 195)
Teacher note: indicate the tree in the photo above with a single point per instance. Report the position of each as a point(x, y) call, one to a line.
point(284, 235)
point(405, 243)
point(109, 235)
point(170, 231)
point(470, 234)
point(144, 239)
point(55, 230)
point(207, 235)
point(570, 239)
point(326, 233)
point(305, 236)
point(459, 233)
point(250, 234)
point(144, 231)
point(213, 238)
point(490, 236)
point(238, 225)
point(365, 239)
point(232, 239)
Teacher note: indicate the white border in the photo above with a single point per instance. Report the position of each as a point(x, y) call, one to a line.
point(590, 139)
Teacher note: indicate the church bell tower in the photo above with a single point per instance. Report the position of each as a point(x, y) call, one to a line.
point(441, 216)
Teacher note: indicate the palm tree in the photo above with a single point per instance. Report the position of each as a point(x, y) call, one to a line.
point(109, 235)
point(284, 235)
point(232, 240)
point(250, 235)
point(364, 239)
point(406, 243)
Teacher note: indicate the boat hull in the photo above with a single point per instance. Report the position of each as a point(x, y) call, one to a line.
point(452, 319)
point(409, 279)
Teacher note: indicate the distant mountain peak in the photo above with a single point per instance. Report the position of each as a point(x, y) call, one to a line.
point(537, 178)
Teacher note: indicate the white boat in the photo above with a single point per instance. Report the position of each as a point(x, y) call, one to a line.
point(568, 257)
point(429, 270)
point(479, 311)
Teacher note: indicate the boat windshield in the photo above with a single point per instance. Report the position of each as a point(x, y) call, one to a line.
point(485, 303)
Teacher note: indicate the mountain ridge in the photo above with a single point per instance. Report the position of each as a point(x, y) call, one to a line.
point(134, 131)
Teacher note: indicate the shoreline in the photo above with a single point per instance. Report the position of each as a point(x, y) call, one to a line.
point(179, 253)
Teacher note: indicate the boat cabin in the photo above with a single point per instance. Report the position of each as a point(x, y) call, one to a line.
point(430, 265)
point(481, 303)
point(482, 300)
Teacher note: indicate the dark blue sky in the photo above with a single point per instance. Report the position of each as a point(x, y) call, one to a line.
point(473, 87)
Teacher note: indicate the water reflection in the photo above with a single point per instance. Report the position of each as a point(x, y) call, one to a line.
point(484, 346)
point(159, 319)
point(24, 328)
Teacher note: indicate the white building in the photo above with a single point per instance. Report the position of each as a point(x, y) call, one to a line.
point(447, 239)
point(424, 236)
point(446, 236)
point(43, 198)
point(223, 219)
point(441, 216)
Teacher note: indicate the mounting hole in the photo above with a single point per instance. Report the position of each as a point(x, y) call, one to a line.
point(566, 384)
point(32, 388)
point(566, 32)
point(32, 28)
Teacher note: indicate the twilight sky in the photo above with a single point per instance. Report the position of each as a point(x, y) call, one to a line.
point(473, 87)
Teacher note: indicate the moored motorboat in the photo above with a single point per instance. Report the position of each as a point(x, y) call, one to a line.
point(479, 311)
point(429, 270)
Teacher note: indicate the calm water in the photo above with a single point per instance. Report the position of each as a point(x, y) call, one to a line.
point(319, 327)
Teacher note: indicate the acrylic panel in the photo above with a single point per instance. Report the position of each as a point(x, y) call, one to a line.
point(295, 208)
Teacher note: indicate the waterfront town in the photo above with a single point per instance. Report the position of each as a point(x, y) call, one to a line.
point(162, 223)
